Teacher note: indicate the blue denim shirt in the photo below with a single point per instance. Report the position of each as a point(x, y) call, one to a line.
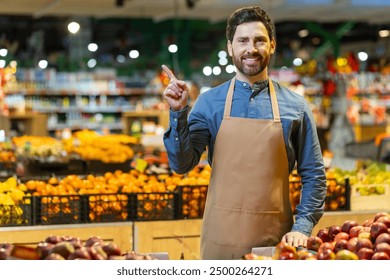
point(190, 133)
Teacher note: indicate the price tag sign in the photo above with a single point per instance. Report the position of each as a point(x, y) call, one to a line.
point(140, 164)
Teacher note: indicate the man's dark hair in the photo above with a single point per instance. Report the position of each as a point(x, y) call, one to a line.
point(249, 14)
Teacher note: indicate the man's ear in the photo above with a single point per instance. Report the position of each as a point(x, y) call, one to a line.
point(229, 47)
point(273, 46)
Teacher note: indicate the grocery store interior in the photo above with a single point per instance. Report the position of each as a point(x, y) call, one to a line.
point(82, 114)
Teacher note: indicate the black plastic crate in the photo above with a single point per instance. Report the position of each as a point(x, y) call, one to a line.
point(156, 206)
point(20, 214)
point(110, 207)
point(337, 196)
point(192, 201)
point(58, 209)
point(7, 169)
point(99, 167)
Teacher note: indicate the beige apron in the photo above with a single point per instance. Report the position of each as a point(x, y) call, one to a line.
point(248, 197)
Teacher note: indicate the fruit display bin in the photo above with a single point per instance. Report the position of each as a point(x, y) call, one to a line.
point(192, 200)
point(337, 195)
point(16, 215)
point(91, 208)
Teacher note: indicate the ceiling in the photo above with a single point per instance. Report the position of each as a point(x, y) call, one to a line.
point(199, 23)
point(214, 10)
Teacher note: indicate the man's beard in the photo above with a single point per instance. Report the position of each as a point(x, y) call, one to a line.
point(251, 70)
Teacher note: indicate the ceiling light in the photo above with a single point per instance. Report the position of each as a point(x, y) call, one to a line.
point(73, 27)
point(43, 64)
point(222, 54)
point(384, 33)
point(297, 61)
point(207, 70)
point(303, 33)
point(92, 47)
point(230, 69)
point(91, 63)
point(172, 48)
point(134, 54)
point(363, 56)
point(3, 52)
point(216, 70)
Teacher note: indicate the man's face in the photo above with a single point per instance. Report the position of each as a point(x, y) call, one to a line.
point(251, 48)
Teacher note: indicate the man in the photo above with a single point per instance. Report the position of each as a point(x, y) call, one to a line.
point(256, 131)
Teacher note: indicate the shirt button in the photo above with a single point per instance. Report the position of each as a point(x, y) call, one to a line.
point(175, 119)
point(252, 99)
point(177, 139)
point(244, 84)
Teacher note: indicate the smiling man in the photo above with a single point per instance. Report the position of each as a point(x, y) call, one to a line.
point(256, 132)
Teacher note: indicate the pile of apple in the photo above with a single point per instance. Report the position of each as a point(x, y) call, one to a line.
point(56, 247)
point(349, 241)
point(368, 241)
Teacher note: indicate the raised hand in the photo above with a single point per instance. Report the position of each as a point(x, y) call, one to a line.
point(176, 93)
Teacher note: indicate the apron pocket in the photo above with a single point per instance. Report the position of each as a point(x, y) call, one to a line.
point(262, 229)
point(223, 226)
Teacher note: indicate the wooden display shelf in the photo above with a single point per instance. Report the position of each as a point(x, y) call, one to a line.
point(34, 123)
point(174, 237)
point(158, 116)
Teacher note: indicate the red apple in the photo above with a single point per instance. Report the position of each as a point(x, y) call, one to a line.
point(304, 255)
point(287, 255)
point(323, 234)
point(93, 240)
point(326, 254)
point(380, 256)
point(383, 238)
point(341, 235)
point(346, 255)
point(333, 231)
point(377, 228)
point(363, 242)
point(112, 249)
point(365, 253)
point(313, 243)
point(354, 231)
point(4, 254)
point(54, 239)
point(43, 249)
point(80, 253)
point(368, 222)
point(382, 247)
point(364, 235)
point(385, 220)
point(352, 244)
point(97, 253)
point(325, 246)
point(249, 256)
point(341, 244)
point(347, 225)
point(380, 214)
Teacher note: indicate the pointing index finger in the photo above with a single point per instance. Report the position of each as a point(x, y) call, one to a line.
point(168, 72)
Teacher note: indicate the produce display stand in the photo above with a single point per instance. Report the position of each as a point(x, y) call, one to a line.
point(175, 237)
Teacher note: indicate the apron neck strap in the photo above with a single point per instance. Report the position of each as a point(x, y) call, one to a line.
point(274, 101)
